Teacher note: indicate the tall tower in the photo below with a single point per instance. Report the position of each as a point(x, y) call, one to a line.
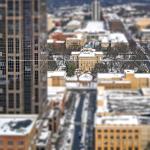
point(22, 71)
point(96, 10)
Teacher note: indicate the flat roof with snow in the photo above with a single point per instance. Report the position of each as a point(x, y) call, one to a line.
point(94, 27)
point(117, 120)
point(16, 125)
point(127, 102)
point(56, 74)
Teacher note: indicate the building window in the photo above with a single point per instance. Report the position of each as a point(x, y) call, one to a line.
point(36, 58)
point(10, 64)
point(36, 7)
point(17, 8)
point(10, 143)
point(11, 100)
point(17, 45)
point(36, 95)
point(1, 142)
point(36, 25)
point(11, 82)
point(17, 101)
point(10, 45)
point(136, 136)
point(17, 64)
point(36, 109)
point(17, 82)
point(36, 48)
point(10, 27)
point(136, 131)
point(36, 40)
point(10, 8)
point(36, 78)
point(124, 131)
point(17, 27)
point(20, 142)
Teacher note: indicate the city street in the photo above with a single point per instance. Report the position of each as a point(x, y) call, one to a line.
point(77, 131)
point(83, 134)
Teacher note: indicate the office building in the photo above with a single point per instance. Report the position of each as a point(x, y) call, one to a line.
point(121, 133)
point(23, 68)
point(96, 10)
point(127, 80)
point(18, 132)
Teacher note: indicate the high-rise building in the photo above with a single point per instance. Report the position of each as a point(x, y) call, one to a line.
point(22, 51)
point(96, 10)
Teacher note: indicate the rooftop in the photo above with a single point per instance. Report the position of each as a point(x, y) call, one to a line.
point(94, 27)
point(18, 125)
point(87, 52)
point(55, 93)
point(74, 23)
point(127, 102)
point(116, 37)
point(43, 138)
point(86, 77)
point(117, 120)
point(56, 74)
point(122, 120)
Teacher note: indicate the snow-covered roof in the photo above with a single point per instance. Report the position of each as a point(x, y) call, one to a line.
point(58, 30)
point(74, 23)
point(127, 102)
point(56, 74)
point(16, 125)
point(117, 120)
point(79, 36)
point(145, 30)
point(142, 75)
point(104, 39)
point(55, 93)
point(113, 16)
point(49, 41)
point(93, 27)
point(43, 138)
point(117, 38)
point(102, 109)
point(60, 42)
point(86, 77)
point(89, 52)
point(109, 75)
point(106, 76)
point(113, 38)
point(75, 53)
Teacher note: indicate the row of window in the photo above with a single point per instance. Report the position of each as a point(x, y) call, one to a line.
point(11, 45)
point(117, 148)
point(15, 27)
point(118, 137)
point(11, 102)
point(118, 130)
point(11, 64)
point(12, 142)
point(13, 8)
